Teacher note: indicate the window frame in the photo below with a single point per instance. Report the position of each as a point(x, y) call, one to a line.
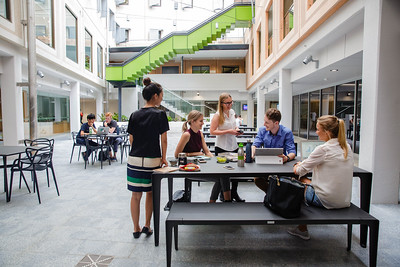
point(76, 35)
point(91, 51)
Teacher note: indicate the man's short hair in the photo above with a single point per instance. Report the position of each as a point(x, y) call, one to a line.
point(109, 114)
point(273, 114)
point(90, 116)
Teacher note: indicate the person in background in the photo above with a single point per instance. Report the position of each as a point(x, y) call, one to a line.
point(81, 116)
point(114, 141)
point(332, 170)
point(193, 144)
point(85, 130)
point(223, 125)
point(273, 135)
point(145, 128)
point(237, 121)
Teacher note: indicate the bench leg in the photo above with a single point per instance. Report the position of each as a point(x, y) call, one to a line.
point(170, 193)
point(188, 189)
point(349, 236)
point(373, 243)
point(168, 234)
point(176, 236)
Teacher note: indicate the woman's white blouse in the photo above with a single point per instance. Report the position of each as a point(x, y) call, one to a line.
point(332, 174)
point(227, 141)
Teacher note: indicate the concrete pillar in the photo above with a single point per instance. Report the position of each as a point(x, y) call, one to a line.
point(57, 109)
point(99, 104)
point(129, 101)
point(75, 106)
point(11, 101)
point(380, 126)
point(250, 110)
point(260, 106)
point(285, 98)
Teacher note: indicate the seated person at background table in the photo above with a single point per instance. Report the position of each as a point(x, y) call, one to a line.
point(273, 135)
point(114, 141)
point(332, 170)
point(192, 143)
point(85, 130)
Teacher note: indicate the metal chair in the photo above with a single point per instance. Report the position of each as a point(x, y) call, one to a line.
point(74, 135)
point(37, 159)
point(125, 146)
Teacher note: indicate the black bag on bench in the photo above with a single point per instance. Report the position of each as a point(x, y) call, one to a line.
point(285, 195)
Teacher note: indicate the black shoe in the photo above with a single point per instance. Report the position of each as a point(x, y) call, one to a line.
point(221, 197)
point(147, 231)
point(235, 197)
point(136, 234)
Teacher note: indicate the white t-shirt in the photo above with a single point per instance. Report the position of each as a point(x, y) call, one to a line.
point(332, 174)
point(227, 141)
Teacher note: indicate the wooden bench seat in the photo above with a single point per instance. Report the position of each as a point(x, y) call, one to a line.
point(185, 213)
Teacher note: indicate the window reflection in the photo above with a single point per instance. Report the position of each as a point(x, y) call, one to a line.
point(314, 114)
point(44, 21)
point(88, 51)
point(303, 115)
point(71, 40)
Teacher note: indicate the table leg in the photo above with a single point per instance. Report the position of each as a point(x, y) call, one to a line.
point(5, 178)
point(156, 184)
point(365, 201)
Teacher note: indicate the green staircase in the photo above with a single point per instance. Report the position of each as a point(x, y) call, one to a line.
point(238, 15)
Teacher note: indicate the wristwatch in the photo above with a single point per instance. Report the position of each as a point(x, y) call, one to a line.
point(288, 159)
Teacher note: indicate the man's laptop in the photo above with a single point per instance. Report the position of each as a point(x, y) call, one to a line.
point(103, 130)
point(268, 155)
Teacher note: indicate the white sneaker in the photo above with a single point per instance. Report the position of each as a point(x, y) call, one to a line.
point(296, 232)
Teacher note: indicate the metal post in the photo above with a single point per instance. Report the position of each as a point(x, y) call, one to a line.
point(119, 102)
point(32, 70)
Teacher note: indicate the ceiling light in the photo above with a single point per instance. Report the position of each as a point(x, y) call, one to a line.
point(198, 93)
point(334, 70)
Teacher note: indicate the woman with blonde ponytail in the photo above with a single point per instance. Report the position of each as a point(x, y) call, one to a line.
point(193, 144)
point(332, 170)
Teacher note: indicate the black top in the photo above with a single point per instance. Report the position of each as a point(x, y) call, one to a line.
point(113, 124)
point(146, 125)
point(194, 144)
point(85, 129)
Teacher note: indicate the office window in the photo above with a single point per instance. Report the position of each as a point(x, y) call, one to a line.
point(288, 10)
point(200, 69)
point(314, 114)
point(99, 61)
point(44, 21)
point(296, 115)
point(155, 34)
point(5, 9)
point(88, 51)
point(170, 70)
point(230, 69)
point(71, 41)
point(259, 48)
point(328, 101)
point(304, 115)
point(270, 31)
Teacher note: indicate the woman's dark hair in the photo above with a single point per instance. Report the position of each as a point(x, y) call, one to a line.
point(150, 89)
point(90, 116)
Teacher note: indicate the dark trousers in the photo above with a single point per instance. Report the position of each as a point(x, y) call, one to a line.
point(234, 183)
point(82, 141)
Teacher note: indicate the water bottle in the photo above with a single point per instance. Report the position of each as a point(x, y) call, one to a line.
point(248, 151)
point(90, 130)
point(240, 156)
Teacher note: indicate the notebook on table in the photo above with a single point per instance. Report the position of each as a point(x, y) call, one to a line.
point(103, 130)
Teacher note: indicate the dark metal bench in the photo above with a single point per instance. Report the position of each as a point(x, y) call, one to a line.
point(257, 214)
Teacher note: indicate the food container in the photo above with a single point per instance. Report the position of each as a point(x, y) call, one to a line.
point(182, 159)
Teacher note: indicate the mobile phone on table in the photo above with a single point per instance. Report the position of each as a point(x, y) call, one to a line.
point(201, 160)
point(229, 167)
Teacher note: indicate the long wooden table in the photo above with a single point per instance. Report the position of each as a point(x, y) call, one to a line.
point(213, 169)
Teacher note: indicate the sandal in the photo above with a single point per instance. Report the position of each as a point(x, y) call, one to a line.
point(137, 234)
point(147, 231)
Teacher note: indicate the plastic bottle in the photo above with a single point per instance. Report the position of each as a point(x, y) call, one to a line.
point(248, 151)
point(240, 156)
point(90, 130)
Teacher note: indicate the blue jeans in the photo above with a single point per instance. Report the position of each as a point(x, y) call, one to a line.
point(311, 197)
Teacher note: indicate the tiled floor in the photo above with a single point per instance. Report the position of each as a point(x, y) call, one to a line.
point(91, 216)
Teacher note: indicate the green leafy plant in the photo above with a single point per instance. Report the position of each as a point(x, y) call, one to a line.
point(102, 117)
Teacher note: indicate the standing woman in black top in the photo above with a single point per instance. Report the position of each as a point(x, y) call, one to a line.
point(145, 128)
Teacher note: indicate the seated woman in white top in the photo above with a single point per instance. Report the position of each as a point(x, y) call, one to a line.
point(332, 166)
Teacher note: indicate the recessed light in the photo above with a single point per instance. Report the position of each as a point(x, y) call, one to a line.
point(325, 79)
point(334, 70)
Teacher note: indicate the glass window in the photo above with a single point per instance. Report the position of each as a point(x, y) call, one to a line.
point(44, 21)
point(296, 115)
point(314, 114)
point(288, 13)
point(304, 115)
point(270, 31)
point(259, 49)
point(357, 122)
point(5, 9)
point(88, 51)
point(328, 100)
point(230, 69)
point(200, 69)
point(170, 70)
point(99, 61)
point(71, 41)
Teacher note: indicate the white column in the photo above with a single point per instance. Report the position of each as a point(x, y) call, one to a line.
point(250, 110)
point(11, 101)
point(99, 104)
point(75, 106)
point(285, 98)
point(379, 140)
point(129, 101)
point(260, 106)
point(57, 109)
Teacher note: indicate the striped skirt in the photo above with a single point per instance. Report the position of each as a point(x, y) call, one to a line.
point(139, 173)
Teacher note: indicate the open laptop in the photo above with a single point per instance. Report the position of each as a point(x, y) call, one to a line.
point(268, 155)
point(103, 130)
